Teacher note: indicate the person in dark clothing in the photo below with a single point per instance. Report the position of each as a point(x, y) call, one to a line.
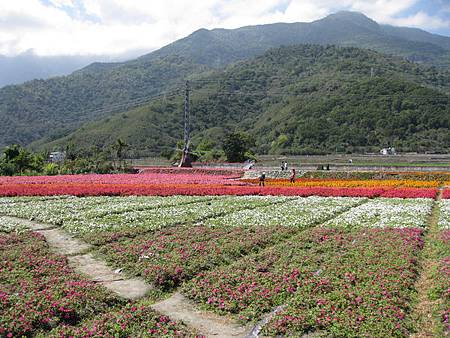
point(292, 179)
point(262, 180)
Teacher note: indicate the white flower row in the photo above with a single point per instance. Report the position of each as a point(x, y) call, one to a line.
point(10, 225)
point(300, 212)
point(59, 211)
point(162, 217)
point(87, 214)
point(444, 217)
point(386, 212)
point(91, 214)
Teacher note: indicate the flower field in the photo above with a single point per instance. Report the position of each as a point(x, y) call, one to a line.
point(169, 257)
point(347, 283)
point(207, 183)
point(333, 257)
point(39, 292)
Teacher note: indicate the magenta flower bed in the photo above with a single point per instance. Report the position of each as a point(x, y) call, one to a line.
point(134, 320)
point(38, 290)
point(113, 179)
point(171, 256)
point(103, 189)
point(41, 295)
point(343, 284)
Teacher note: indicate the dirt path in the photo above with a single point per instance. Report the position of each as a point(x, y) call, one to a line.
point(97, 270)
point(180, 308)
point(423, 312)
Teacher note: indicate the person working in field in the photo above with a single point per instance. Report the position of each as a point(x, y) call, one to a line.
point(262, 180)
point(292, 179)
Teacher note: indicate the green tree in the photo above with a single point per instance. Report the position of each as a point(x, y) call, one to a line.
point(18, 160)
point(237, 146)
point(120, 147)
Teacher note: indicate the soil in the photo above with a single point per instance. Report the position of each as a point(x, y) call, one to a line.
point(180, 308)
point(423, 312)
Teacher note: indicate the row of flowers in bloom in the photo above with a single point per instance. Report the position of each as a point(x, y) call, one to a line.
point(443, 280)
point(443, 176)
point(173, 255)
point(347, 284)
point(442, 275)
point(444, 214)
point(133, 320)
point(87, 217)
point(446, 193)
point(347, 183)
point(95, 189)
point(61, 211)
point(386, 212)
point(137, 179)
point(39, 292)
point(230, 172)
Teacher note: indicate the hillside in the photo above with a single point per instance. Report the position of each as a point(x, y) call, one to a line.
point(53, 108)
point(28, 66)
point(56, 106)
point(295, 99)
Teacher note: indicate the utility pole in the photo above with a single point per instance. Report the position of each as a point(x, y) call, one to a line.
point(185, 158)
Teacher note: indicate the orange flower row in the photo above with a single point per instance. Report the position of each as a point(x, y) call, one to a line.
point(349, 183)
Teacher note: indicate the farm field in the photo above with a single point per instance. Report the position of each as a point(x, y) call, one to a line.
point(342, 260)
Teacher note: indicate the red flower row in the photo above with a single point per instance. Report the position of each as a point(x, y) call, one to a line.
point(164, 177)
point(95, 189)
point(446, 193)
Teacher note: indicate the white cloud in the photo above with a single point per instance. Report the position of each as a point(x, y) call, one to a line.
point(115, 26)
point(62, 3)
point(421, 19)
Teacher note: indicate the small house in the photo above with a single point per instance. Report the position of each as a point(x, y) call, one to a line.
point(388, 151)
point(57, 157)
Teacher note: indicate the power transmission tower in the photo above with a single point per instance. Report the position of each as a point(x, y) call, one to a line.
point(185, 158)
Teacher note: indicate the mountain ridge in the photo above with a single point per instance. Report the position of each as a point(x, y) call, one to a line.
point(293, 99)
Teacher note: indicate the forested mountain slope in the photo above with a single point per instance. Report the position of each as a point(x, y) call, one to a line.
point(296, 99)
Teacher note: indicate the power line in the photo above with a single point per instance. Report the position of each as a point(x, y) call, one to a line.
point(269, 94)
point(134, 103)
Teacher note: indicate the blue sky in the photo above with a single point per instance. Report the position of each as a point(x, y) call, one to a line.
point(113, 27)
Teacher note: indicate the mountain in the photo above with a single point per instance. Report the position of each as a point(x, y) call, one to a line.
point(59, 105)
point(219, 47)
point(297, 99)
point(53, 108)
point(28, 66)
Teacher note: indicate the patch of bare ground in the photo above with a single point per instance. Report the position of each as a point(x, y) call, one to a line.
point(209, 324)
point(423, 313)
